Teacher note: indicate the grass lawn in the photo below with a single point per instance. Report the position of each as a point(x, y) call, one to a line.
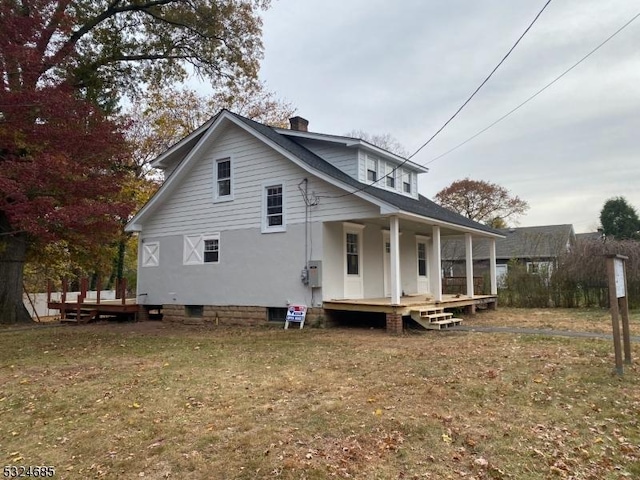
point(153, 401)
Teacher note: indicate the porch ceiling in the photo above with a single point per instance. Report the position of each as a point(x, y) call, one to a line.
point(420, 228)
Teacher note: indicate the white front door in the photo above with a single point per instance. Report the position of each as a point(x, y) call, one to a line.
point(353, 275)
point(422, 265)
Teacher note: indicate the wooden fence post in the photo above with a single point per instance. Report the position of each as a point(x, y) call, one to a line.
point(619, 304)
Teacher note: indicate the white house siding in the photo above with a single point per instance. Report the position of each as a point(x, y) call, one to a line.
point(346, 159)
point(255, 268)
point(190, 208)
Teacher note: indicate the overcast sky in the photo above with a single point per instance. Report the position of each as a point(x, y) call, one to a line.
point(404, 67)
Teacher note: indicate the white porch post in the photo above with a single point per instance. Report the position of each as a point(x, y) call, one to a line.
point(394, 240)
point(468, 245)
point(436, 271)
point(492, 266)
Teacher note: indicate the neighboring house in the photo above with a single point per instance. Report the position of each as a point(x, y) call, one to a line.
point(538, 248)
point(251, 218)
point(590, 236)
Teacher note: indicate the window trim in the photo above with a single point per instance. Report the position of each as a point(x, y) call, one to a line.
point(372, 160)
point(265, 224)
point(216, 251)
point(194, 244)
point(390, 176)
point(406, 181)
point(216, 196)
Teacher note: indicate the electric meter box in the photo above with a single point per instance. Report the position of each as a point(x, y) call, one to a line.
point(315, 273)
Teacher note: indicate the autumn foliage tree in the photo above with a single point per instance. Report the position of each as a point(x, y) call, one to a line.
point(61, 165)
point(482, 201)
point(163, 115)
point(63, 63)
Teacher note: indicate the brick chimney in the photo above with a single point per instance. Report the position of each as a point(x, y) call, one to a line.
point(298, 123)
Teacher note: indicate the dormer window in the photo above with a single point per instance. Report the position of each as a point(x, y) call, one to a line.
point(390, 176)
point(406, 181)
point(372, 169)
point(387, 174)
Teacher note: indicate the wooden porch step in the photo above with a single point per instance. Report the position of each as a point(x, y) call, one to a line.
point(435, 321)
point(432, 311)
point(436, 316)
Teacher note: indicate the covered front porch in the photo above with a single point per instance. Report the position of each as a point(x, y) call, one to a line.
point(392, 265)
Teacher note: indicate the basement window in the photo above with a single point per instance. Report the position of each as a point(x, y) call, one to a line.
point(196, 311)
point(277, 314)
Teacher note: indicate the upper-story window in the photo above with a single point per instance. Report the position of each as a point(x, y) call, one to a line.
point(273, 218)
point(372, 169)
point(223, 181)
point(406, 181)
point(390, 176)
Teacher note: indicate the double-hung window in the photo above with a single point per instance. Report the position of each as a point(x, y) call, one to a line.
point(211, 250)
point(390, 176)
point(406, 181)
point(223, 181)
point(273, 218)
point(372, 169)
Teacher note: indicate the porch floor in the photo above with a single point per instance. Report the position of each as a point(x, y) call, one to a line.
point(409, 303)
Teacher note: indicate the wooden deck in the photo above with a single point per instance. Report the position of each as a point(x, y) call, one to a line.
point(83, 309)
point(88, 310)
point(411, 303)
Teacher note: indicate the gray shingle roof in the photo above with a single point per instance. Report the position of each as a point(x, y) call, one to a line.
point(423, 206)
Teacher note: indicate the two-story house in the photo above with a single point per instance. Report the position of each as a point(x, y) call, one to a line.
point(251, 218)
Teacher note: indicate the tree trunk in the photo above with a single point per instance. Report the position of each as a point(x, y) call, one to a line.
point(13, 249)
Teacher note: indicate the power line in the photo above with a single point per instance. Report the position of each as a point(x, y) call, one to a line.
point(482, 84)
point(457, 111)
point(537, 93)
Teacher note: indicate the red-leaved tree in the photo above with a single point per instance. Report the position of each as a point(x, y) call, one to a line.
point(60, 159)
point(61, 169)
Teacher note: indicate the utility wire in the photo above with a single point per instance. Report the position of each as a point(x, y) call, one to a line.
point(535, 94)
point(482, 84)
point(455, 114)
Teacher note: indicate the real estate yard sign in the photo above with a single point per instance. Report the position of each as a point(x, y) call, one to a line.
point(619, 308)
point(295, 313)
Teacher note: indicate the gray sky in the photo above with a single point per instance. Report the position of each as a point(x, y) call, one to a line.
point(404, 67)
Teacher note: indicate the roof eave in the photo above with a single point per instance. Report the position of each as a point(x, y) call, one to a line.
point(442, 223)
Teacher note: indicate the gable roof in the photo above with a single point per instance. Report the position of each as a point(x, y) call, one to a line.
point(545, 241)
point(305, 158)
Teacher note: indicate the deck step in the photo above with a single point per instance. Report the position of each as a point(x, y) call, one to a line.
point(436, 316)
point(435, 321)
point(82, 316)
